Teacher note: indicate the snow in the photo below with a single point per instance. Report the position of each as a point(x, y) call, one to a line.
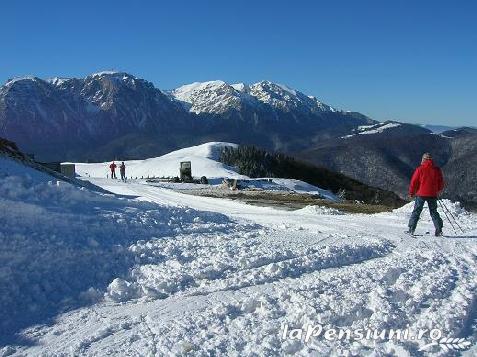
point(372, 129)
point(19, 79)
point(303, 187)
point(380, 129)
point(319, 210)
point(57, 81)
point(287, 89)
point(209, 97)
point(241, 87)
point(186, 92)
point(218, 96)
point(204, 162)
point(102, 73)
point(165, 273)
point(366, 127)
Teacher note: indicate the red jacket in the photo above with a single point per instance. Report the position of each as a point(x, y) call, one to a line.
point(427, 180)
point(112, 166)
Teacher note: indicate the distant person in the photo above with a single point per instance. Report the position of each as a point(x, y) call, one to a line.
point(426, 185)
point(112, 167)
point(122, 170)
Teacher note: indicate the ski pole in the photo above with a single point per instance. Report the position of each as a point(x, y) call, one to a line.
point(455, 219)
point(445, 213)
point(452, 215)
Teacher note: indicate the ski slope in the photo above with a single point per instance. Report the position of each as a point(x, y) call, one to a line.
point(205, 162)
point(147, 271)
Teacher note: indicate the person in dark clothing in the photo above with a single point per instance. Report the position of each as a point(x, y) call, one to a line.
point(426, 185)
point(122, 170)
point(112, 167)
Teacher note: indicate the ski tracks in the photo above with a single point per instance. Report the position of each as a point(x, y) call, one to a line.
point(229, 291)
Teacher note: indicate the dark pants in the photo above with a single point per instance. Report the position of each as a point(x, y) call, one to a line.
point(113, 174)
point(123, 175)
point(416, 213)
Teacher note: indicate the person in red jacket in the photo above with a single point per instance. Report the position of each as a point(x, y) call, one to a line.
point(112, 167)
point(426, 185)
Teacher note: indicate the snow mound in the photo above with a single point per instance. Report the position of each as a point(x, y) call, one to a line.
point(11, 167)
point(61, 243)
point(304, 187)
point(171, 280)
point(319, 210)
point(189, 265)
point(203, 158)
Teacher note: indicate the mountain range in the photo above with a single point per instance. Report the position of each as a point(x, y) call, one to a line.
point(112, 115)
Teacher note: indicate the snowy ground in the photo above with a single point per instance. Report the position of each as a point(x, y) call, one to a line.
point(204, 161)
point(164, 273)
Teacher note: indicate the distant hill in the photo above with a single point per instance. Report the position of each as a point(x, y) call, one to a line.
point(438, 129)
point(387, 160)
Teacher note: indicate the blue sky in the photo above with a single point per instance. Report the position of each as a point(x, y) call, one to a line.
point(413, 61)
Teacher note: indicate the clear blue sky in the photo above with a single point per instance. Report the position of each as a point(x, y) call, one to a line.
point(413, 61)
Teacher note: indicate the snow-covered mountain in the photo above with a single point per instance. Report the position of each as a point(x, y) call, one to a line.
point(385, 155)
point(111, 113)
point(49, 117)
point(388, 129)
point(218, 97)
point(211, 97)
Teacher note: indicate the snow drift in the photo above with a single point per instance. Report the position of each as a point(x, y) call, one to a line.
point(88, 273)
point(60, 243)
point(204, 160)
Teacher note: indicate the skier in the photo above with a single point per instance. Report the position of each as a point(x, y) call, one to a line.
point(426, 185)
point(112, 167)
point(122, 170)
